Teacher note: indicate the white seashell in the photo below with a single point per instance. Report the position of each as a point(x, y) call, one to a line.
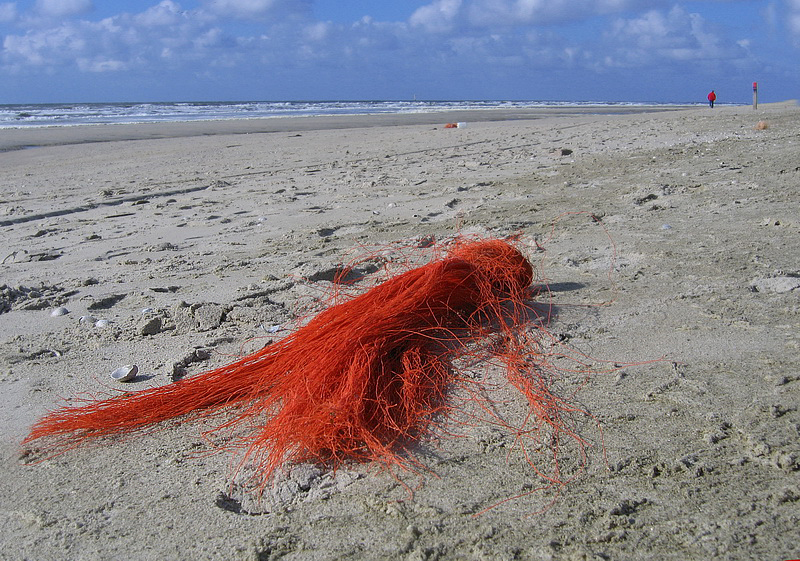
point(61, 311)
point(147, 311)
point(125, 373)
point(102, 323)
point(87, 319)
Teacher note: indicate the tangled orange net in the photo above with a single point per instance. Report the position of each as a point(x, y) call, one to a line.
point(362, 380)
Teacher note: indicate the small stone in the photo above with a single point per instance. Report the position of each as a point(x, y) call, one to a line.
point(779, 285)
point(151, 326)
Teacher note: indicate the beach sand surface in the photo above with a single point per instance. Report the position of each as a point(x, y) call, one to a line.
point(669, 240)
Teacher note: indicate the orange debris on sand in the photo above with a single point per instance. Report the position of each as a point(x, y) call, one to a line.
point(362, 380)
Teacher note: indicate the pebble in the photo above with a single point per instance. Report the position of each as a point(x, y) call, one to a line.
point(60, 311)
point(102, 323)
point(151, 326)
point(778, 285)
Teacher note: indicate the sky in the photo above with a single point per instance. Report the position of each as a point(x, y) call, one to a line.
point(55, 51)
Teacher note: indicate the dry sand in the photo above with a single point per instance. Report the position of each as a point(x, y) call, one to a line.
point(225, 233)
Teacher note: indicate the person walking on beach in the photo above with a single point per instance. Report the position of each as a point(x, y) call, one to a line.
point(712, 97)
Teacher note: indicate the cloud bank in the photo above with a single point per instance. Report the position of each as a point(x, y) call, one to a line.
point(278, 46)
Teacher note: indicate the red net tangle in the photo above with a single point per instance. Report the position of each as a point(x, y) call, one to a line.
point(368, 377)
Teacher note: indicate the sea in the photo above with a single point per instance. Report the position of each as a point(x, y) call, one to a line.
point(70, 114)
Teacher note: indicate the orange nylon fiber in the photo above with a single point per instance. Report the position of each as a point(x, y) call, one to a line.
point(361, 380)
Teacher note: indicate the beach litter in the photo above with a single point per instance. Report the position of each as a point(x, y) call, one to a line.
point(366, 378)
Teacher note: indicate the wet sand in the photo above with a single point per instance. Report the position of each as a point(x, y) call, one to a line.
point(29, 137)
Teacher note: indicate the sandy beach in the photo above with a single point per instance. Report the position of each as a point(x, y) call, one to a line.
point(670, 242)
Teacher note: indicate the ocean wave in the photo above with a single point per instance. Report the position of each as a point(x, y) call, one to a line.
point(70, 114)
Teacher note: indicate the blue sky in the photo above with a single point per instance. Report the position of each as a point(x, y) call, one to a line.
point(609, 50)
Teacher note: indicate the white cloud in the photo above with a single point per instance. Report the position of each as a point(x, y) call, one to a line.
point(656, 35)
point(793, 18)
point(209, 39)
point(674, 36)
point(166, 34)
point(465, 42)
point(255, 8)
point(62, 8)
point(513, 12)
point(442, 14)
point(109, 45)
point(100, 64)
point(438, 16)
point(164, 13)
point(8, 11)
point(317, 31)
point(652, 30)
point(43, 47)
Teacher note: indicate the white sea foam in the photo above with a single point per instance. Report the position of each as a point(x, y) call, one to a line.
point(67, 114)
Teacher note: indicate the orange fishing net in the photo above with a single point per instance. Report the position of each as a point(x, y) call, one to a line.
point(360, 381)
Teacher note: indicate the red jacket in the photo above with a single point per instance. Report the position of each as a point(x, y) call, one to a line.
point(712, 96)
